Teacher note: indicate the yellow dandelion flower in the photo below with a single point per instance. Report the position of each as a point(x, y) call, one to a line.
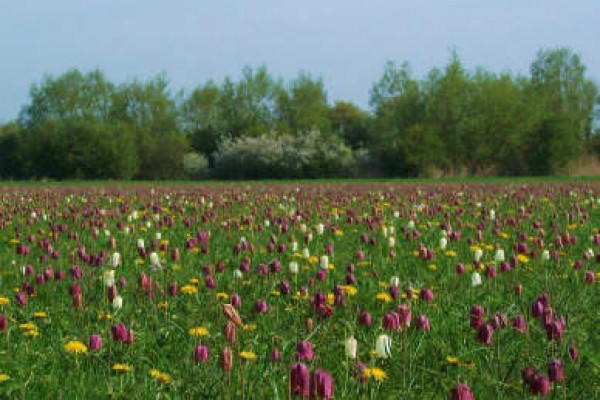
point(40, 314)
point(330, 298)
point(504, 235)
point(350, 290)
point(275, 293)
point(384, 284)
point(523, 258)
point(432, 267)
point(189, 289)
point(161, 377)
point(163, 305)
point(415, 253)
point(452, 360)
point(4, 377)
point(363, 263)
point(195, 249)
point(139, 261)
point(385, 297)
point(198, 331)
point(248, 355)
point(297, 255)
point(4, 301)
point(313, 259)
point(249, 327)
point(290, 308)
point(122, 368)
point(28, 326)
point(331, 266)
point(194, 281)
point(339, 232)
point(176, 267)
point(378, 374)
point(13, 241)
point(222, 295)
point(75, 347)
point(32, 333)
point(451, 253)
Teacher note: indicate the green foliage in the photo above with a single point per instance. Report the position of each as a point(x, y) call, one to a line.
point(451, 122)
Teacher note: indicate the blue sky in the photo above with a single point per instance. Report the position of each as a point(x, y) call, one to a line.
point(344, 42)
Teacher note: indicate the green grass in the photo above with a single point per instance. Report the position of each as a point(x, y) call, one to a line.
point(39, 367)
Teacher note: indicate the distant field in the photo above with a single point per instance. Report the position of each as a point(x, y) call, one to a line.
point(341, 289)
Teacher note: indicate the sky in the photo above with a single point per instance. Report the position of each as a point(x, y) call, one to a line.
point(344, 42)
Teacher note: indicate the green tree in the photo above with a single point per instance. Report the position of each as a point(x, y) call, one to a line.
point(303, 106)
point(350, 123)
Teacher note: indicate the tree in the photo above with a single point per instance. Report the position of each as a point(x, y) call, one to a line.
point(303, 107)
point(350, 123)
point(12, 152)
point(559, 76)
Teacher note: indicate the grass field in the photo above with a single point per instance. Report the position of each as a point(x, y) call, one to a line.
point(370, 289)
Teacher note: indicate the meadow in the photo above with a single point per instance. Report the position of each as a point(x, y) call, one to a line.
point(348, 290)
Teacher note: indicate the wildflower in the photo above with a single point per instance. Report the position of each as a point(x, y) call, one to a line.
point(300, 380)
point(161, 377)
point(248, 355)
point(540, 385)
point(201, 353)
point(115, 260)
point(365, 318)
point(391, 321)
point(293, 267)
point(555, 371)
point(3, 322)
point(519, 323)
point(590, 277)
point(122, 368)
point(475, 279)
point(573, 353)
point(452, 360)
point(40, 314)
point(117, 302)
point(76, 347)
point(351, 345)
point(21, 298)
point(230, 332)
point(322, 384)
point(275, 355)
point(384, 297)
point(226, 359)
point(443, 243)
point(461, 392)
point(376, 373)
point(95, 342)
point(304, 351)
point(383, 346)
point(423, 323)
point(404, 314)
point(4, 301)
point(261, 307)
point(198, 331)
point(189, 289)
point(155, 262)
point(484, 334)
point(426, 294)
point(478, 254)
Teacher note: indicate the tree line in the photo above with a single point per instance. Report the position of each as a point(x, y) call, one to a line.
point(450, 122)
